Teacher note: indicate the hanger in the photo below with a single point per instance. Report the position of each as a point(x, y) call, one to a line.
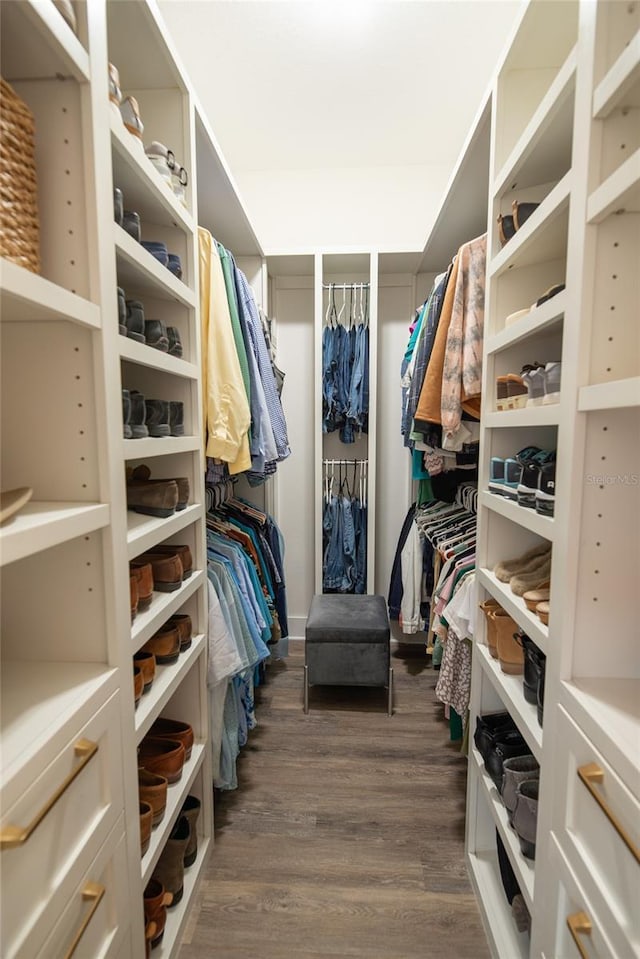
point(344, 304)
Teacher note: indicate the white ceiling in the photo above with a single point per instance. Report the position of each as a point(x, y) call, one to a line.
point(318, 85)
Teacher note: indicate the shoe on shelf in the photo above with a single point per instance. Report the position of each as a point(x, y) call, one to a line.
point(118, 206)
point(533, 377)
point(515, 771)
point(506, 228)
point(179, 183)
point(528, 484)
point(517, 315)
point(127, 432)
point(516, 392)
point(536, 577)
point(115, 93)
point(142, 474)
point(534, 596)
point(122, 312)
point(488, 727)
point(157, 418)
point(163, 159)
point(170, 866)
point(489, 606)
point(510, 651)
point(143, 573)
point(496, 475)
point(165, 645)
point(133, 596)
point(130, 112)
point(512, 474)
point(147, 663)
point(175, 265)
point(175, 343)
point(131, 224)
point(184, 552)
point(542, 612)
point(176, 418)
point(153, 789)
point(505, 746)
point(137, 685)
point(541, 678)
point(135, 320)
point(549, 294)
point(156, 900)
point(146, 819)
point(552, 373)
point(174, 729)
point(153, 499)
point(525, 816)
point(520, 913)
point(157, 250)
point(162, 756)
point(533, 658)
point(167, 569)
point(182, 622)
point(507, 568)
point(494, 617)
point(191, 810)
point(155, 333)
point(522, 212)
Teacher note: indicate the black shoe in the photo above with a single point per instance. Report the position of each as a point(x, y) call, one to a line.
point(507, 745)
point(530, 459)
point(135, 321)
point(138, 415)
point(127, 432)
point(157, 418)
point(155, 333)
point(122, 312)
point(487, 727)
point(540, 690)
point(175, 343)
point(546, 491)
point(131, 223)
point(533, 667)
point(176, 418)
point(118, 206)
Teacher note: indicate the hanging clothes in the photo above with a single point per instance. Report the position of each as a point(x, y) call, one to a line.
point(345, 366)
point(344, 526)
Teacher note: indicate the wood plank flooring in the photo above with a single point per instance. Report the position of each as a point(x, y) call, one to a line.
point(345, 838)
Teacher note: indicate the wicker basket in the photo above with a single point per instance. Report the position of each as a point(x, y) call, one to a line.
point(19, 222)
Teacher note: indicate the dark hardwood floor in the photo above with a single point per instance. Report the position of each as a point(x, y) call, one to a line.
point(345, 837)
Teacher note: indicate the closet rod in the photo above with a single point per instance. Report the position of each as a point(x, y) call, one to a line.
point(344, 462)
point(345, 286)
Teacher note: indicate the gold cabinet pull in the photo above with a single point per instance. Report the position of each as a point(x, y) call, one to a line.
point(579, 925)
point(592, 775)
point(93, 893)
point(11, 836)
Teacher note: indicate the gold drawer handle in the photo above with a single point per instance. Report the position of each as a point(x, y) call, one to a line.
point(11, 836)
point(579, 925)
point(592, 775)
point(92, 892)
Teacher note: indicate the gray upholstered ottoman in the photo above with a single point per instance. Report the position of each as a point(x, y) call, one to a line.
point(347, 643)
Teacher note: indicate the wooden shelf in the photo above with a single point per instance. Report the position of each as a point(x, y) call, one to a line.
point(523, 868)
point(522, 515)
point(543, 152)
point(539, 319)
point(167, 680)
point(621, 84)
point(176, 795)
point(616, 395)
point(163, 605)
point(516, 608)
point(607, 710)
point(39, 702)
point(145, 355)
point(499, 925)
point(169, 948)
point(159, 446)
point(619, 192)
point(139, 272)
point(143, 188)
point(143, 532)
point(509, 689)
point(40, 525)
point(38, 43)
point(543, 237)
point(26, 297)
point(547, 415)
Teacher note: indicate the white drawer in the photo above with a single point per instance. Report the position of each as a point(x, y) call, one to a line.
point(96, 919)
point(598, 854)
point(37, 874)
point(570, 905)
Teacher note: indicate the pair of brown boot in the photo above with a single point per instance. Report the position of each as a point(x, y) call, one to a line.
point(500, 637)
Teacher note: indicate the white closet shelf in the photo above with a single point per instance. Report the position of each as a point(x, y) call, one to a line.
point(516, 608)
point(169, 948)
point(509, 689)
point(539, 319)
point(143, 188)
point(497, 919)
point(159, 446)
point(176, 795)
point(620, 192)
point(163, 605)
point(620, 86)
point(40, 702)
point(27, 297)
point(608, 712)
point(167, 680)
point(143, 532)
point(543, 152)
point(523, 868)
point(522, 515)
point(543, 237)
point(145, 355)
point(618, 394)
point(38, 43)
point(139, 272)
point(40, 525)
point(548, 415)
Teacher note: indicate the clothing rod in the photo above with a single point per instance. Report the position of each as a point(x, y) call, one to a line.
point(345, 462)
point(345, 286)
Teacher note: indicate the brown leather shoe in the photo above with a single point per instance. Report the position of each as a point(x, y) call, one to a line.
point(153, 499)
point(143, 573)
point(167, 570)
point(165, 645)
point(173, 729)
point(152, 789)
point(142, 474)
point(156, 900)
point(184, 552)
point(191, 810)
point(166, 757)
point(170, 868)
point(133, 595)
point(147, 663)
point(146, 818)
point(138, 684)
point(182, 622)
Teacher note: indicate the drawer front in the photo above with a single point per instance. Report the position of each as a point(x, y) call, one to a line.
point(587, 937)
point(595, 819)
point(35, 873)
point(95, 922)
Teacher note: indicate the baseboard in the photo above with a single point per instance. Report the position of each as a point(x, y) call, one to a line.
point(297, 626)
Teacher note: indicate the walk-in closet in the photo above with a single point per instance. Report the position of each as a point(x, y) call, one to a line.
point(320, 495)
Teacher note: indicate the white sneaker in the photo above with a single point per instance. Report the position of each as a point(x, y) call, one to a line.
point(552, 373)
point(162, 159)
point(179, 182)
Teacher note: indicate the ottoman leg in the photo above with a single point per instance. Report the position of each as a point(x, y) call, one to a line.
point(306, 688)
point(390, 688)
